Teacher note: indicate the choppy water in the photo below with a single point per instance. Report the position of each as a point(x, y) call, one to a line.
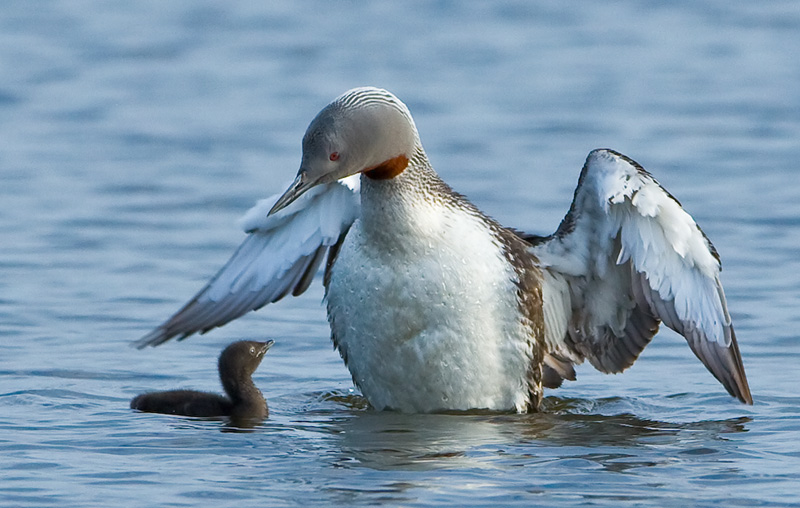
point(133, 134)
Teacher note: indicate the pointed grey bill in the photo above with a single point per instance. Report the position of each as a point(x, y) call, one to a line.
point(300, 185)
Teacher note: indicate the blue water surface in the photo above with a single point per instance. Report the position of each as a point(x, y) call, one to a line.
point(134, 134)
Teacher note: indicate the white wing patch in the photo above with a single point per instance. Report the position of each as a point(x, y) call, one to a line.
point(663, 242)
point(630, 257)
point(281, 254)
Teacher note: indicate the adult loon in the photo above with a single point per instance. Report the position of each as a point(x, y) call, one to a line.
point(435, 306)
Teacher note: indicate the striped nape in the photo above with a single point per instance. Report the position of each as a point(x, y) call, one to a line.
point(369, 96)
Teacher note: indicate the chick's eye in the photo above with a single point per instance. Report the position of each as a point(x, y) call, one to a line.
point(252, 350)
point(334, 156)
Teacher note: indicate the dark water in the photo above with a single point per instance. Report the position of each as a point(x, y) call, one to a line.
point(133, 134)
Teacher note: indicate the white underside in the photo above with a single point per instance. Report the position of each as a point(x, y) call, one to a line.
point(430, 321)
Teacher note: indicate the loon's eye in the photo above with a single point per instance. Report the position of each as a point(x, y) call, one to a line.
point(252, 350)
point(334, 156)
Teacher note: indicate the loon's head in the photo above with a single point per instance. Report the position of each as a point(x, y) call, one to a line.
point(365, 130)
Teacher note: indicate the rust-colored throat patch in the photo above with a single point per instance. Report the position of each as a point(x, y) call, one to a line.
point(388, 169)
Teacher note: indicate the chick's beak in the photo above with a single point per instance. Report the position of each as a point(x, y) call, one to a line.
point(300, 185)
point(265, 347)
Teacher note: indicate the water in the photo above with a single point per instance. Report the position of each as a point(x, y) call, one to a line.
point(132, 135)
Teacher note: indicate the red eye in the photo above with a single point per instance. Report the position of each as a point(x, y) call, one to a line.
point(334, 156)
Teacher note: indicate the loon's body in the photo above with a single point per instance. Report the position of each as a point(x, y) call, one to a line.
point(435, 306)
point(427, 293)
point(244, 400)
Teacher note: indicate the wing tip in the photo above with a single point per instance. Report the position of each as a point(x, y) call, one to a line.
point(740, 377)
point(724, 363)
point(152, 339)
point(157, 337)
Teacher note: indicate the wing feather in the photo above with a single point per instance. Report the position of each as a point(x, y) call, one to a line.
point(630, 258)
point(280, 256)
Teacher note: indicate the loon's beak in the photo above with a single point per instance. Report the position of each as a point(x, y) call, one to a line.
point(300, 185)
point(266, 345)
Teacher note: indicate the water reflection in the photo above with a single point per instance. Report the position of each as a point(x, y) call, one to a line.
point(362, 437)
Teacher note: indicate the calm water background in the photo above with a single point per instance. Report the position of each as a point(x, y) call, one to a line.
point(133, 134)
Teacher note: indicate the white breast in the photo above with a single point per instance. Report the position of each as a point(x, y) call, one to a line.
point(424, 310)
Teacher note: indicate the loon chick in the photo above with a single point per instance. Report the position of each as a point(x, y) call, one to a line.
point(435, 306)
point(236, 364)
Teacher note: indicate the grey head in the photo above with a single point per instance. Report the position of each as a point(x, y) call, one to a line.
point(363, 129)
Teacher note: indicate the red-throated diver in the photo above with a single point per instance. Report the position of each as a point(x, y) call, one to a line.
point(435, 306)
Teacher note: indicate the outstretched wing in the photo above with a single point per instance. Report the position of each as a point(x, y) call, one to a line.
point(626, 257)
point(281, 254)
